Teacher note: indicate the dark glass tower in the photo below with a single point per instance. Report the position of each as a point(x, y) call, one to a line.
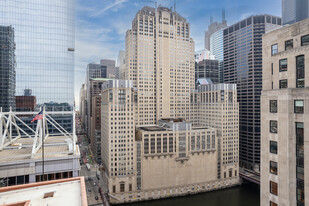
point(207, 69)
point(7, 68)
point(294, 11)
point(242, 46)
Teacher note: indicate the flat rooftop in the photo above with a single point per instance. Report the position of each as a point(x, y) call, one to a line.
point(70, 191)
point(153, 128)
point(54, 147)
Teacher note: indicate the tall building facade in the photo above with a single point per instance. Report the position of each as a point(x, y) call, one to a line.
point(294, 11)
point(45, 41)
point(121, 61)
point(156, 129)
point(160, 61)
point(207, 69)
point(284, 116)
point(212, 28)
point(96, 74)
point(242, 46)
point(7, 68)
point(216, 49)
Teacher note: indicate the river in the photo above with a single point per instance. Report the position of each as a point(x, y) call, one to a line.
point(244, 195)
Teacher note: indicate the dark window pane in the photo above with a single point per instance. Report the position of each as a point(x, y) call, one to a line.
point(273, 167)
point(273, 126)
point(273, 106)
point(305, 40)
point(283, 65)
point(283, 83)
point(289, 44)
point(273, 188)
point(273, 147)
point(300, 71)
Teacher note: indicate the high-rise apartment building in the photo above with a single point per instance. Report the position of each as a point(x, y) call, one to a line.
point(212, 28)
point(294, 11)
point(216, 49)
point(45, 38)
point(7, 68)
point(242, 46)
point(160, 61)
point(285, 116)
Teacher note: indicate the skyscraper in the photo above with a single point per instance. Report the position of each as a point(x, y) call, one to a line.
point(284, 116)
point(216, 49)
point(242, 46)
point(121, 63)
point(44, 36)
point(294, 11)
point(160, 61)
point(150, 149)
point(95, 76)
point(207, 69)
point(212, 28)
point(7, 68)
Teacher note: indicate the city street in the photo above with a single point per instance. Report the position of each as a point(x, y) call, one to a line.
point(92, 175)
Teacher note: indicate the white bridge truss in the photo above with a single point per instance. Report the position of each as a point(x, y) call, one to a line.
point(10, 121)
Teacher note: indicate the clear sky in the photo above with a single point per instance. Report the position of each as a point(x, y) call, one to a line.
point(101, 24)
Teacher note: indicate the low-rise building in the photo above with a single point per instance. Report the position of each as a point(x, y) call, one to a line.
point(70, 191)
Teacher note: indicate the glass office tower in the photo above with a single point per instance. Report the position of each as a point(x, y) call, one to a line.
point(242, 47)
point(294, 11)
point(44, 36)
point(216, 49)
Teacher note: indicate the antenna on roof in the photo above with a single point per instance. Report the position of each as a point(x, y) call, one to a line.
point(174, 5)
point(223, 15)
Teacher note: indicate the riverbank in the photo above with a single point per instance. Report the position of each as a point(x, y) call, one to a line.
point(244, 195)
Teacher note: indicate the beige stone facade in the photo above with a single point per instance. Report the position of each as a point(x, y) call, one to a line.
point(284, 116)
point(216, 106)
point(157, 141)
point(160, 61)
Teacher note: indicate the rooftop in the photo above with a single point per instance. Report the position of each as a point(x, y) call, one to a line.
point(70, 191)
point(54, 147)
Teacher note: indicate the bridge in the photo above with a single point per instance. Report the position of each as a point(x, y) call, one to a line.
point(250, 175)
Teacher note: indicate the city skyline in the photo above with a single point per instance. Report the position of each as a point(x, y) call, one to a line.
point(101, 26)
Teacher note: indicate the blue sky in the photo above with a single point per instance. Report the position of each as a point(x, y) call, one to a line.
point(101, 24)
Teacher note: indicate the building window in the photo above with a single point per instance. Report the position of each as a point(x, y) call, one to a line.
point(146, 146)
point(114, 188)
point(300, 189)
point(299, 106)
point(300, 71)
point(273, 204)
point(273, 167)
point(273, 126)
point(273, 147)
point(121, 187)
point(273, 106)
point(158, 145)
point(289, 44)
point(273, 188)
point(274, 49)
point(283, 83)
point(305, 40)
point(283, 65)
point(130, 187)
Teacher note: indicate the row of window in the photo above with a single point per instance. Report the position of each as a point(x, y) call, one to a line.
point(298, 106)
point(288, 44)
